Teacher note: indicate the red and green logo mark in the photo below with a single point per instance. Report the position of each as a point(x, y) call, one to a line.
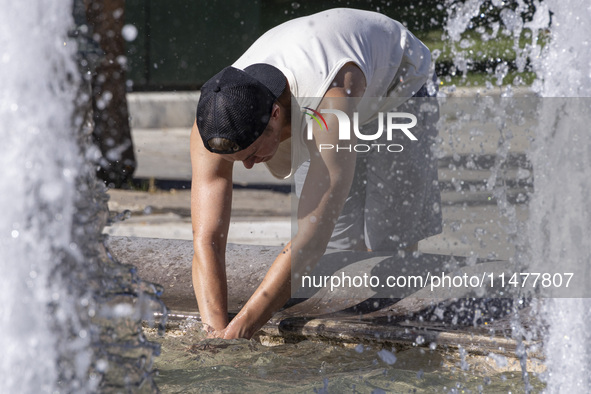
point(317, 117)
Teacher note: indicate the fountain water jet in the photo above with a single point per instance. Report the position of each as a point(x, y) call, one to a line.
point(560, 223)
point(559, 220)
point(70, 313)
point(38, 188)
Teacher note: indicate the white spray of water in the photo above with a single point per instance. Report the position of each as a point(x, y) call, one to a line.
point(560, 224)
point(560, 219)
point(37, 75)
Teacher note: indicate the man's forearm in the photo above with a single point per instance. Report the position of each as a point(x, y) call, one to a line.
point(210, 286)
point(269, 297)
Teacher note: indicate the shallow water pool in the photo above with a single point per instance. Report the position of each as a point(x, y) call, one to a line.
point(191, 364)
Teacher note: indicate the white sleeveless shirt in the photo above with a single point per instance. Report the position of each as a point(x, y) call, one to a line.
point(311, 50)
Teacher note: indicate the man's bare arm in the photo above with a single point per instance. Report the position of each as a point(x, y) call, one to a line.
point(211, 200)
point(325, 190)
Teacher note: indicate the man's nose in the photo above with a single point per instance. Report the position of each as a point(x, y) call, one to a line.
point(249, 163)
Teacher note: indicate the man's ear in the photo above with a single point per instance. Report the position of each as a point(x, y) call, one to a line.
point(276, 111)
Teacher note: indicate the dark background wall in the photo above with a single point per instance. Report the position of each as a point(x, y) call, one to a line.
point(182, 43)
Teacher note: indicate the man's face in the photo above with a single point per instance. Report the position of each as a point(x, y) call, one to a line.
point(264, 148)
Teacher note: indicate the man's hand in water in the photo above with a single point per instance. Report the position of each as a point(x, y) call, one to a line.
point(212, 332)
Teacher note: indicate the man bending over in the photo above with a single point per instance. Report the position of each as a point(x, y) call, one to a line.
point(332, 60)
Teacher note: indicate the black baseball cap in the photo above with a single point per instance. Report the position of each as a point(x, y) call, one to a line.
point(236, 104)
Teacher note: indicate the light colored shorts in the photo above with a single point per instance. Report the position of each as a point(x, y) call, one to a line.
point(394, 199)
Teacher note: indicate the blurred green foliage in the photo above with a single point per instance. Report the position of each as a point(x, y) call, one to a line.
point(182, 43)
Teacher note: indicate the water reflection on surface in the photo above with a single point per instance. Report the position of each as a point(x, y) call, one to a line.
point(190, 364)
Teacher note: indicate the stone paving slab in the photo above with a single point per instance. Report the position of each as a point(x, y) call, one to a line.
point(262, 217)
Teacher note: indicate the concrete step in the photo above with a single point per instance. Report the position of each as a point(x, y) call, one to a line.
point(164, 154)
point(156, 110)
